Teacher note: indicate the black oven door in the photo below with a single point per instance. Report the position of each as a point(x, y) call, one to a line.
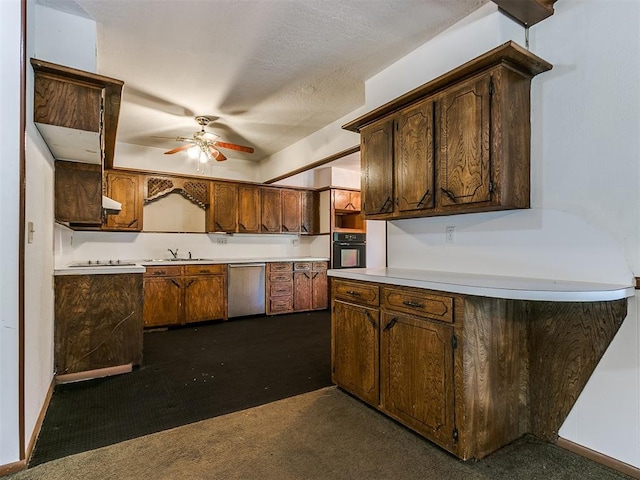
point(349, 255)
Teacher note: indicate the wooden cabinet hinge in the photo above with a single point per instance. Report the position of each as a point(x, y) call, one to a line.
point(491, 86)
point(454, 341)
point(492, 187)
point(455, 434)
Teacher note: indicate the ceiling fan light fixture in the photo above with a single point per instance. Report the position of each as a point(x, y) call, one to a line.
point(194, 152)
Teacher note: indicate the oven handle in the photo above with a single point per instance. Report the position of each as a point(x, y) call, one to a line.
point(345, 244)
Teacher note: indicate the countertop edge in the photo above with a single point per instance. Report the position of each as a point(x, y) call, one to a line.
point(140, 265)
point(489, 286)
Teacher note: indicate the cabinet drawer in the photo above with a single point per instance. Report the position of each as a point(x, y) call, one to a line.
point(163, 271)
point(280, 277)
point(205, 269)
point(365, 293)
point(302, 266)
point(281, 304)
point(280, 289)
point(319, 266)
point(280, 267)
point(438, 307)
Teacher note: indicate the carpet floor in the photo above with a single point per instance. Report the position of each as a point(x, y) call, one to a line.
point(324, 434)
point(190, 374)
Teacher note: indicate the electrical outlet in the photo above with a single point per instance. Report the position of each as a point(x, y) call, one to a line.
point(221, 240)
point(450, 234)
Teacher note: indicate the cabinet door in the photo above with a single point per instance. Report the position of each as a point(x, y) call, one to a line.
point(356, 201)
point(248, 209)
point(310, 211)
point(162, 301)
point(416, 375)
point(225, 207)
point(126, 189)
point(205, 298)
point(302, 291)
point(354, 349)
point(320, 288)
point(377, 168)
point(342, 200)
point(290, 211)
point(271, 210)
point(464, 168)
point(78, 193)
point(414, 158)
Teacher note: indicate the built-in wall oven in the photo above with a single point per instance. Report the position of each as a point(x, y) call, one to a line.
point(349, 250)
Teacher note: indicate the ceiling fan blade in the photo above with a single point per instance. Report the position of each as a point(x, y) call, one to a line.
point(177, 149)
point(233, 146)
point(217, 154)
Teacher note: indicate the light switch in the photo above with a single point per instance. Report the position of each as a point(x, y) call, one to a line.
point(30, 231)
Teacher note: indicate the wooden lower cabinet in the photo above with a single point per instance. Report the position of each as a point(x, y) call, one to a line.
point(177, 295)
point(310, 286)
point(472, 374)
point(98, 322)
point(355, 350)
point(416, 362)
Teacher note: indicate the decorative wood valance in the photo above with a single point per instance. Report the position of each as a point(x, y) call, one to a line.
point(195, 191)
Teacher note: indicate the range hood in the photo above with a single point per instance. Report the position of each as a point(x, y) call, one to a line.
point(110, 204)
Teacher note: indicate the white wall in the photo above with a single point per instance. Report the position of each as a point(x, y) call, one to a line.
point(83, 246)
point(10, 21)
point(585, 157)
point(154, 160)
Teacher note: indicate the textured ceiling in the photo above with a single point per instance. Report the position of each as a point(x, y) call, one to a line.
point(268, 72)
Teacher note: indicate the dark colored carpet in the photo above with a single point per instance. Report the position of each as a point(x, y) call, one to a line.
point(190, 374)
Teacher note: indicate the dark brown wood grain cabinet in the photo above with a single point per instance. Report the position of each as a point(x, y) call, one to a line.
point(319, 285)
point(458, 144)
point(163, 296)
point(470, 373)
point(205, 293)
point(248, 209)
point(291, 211)
point(355, 339)
point(310, 291)
point(78, 194)
point(279, 287)
point(270, 210)
point(181, 294)
point(98, 322)
point(125, 188)
point(310, 212)
point(223, 210)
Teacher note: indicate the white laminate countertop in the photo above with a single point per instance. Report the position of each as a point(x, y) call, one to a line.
point(515, 288)
point(140, 265)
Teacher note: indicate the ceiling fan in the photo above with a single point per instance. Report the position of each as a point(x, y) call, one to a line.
point(204, 146)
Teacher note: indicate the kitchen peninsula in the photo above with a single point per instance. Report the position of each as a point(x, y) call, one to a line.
point(491, 358)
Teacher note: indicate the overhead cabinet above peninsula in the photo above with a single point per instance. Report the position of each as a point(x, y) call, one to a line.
point(458, 144)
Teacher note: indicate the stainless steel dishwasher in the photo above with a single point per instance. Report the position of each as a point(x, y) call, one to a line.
point(246, 295)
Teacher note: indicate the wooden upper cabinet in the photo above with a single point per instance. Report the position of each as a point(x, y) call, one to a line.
point(376, 146)
point(464, 163)
point(78, 194)
point(89, 103)
point(346, 200)
point(291, 212)
point(125, 188)
point(414, 157)
point(271, 210)
point(223, 211)
point(460, 143)
point(310, 212)
point(248, 209)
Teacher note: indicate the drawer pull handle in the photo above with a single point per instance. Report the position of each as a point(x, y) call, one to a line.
point(409, 303)
point(159, 272)
point(390, 325)
point(175, 283)
point(370, 318)
point(352, 293)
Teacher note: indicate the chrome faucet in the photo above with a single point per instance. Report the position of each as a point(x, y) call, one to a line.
point(175, 254)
